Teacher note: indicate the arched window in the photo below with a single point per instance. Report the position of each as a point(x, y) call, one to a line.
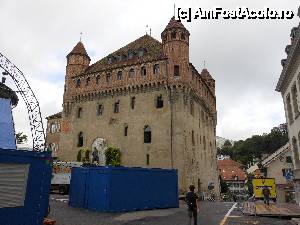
point(147, 134)
point(131, 73)
point(108, 78)
point(119, 75)
point(192, 107)
point(80, 139)
point(78, 82)
point(79, 113)
point(155, 68)
point(141, 52)
point(182, 36)
point(295, 100)
point(159, 102)
point(98, 79)
point(87, 81)
point(176, 71)
point(289, 109)
point(173, 35)
point(295, 152)
point(143, 71)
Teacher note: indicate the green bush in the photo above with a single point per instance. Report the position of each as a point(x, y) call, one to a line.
point(79, 156)
point(83, 155)
point(113, 156)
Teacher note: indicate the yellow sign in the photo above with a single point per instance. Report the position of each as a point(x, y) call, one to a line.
point(260, 183)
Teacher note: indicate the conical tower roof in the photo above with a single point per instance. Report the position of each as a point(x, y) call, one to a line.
point(79, 49)
point(206, 75)
point(174, 24)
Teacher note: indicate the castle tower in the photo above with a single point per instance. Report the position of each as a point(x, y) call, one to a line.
point(209, 80)
point(175, 40)
point(77, 61)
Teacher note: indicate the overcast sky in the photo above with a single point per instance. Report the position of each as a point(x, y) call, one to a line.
point(243, 56)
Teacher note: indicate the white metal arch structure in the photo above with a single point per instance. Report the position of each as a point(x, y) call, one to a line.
point(32, 104)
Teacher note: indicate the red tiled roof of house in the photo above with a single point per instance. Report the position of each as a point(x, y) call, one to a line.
point(152, 47)
point(231, 170)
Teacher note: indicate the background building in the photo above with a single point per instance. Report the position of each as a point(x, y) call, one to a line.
point(148, 100)
point(233, 174)
point(279, 165)
point(289, 86)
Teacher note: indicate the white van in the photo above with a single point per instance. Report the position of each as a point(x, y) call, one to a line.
point(61, 175)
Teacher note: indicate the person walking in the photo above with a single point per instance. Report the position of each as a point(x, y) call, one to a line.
point(266, 194)
point(192, 201)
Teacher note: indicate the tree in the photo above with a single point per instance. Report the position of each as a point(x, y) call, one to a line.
point(21, 138)
point(113, 156)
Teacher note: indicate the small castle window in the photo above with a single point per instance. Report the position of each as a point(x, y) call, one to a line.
point(193, 138)
point(116, 107)
point(110, 59)
point(87, 81)
point(119, 58)
point(79, 112)
point(147, 134)
point(98, 79)
point(80, 139)
point(65, 88)
point(131, 73)
point(108, 78)
point(141, 52)
point(119, 75)
point(192, 107)
point(147, 159)
point(132, 102)
point(143, 71)
point(130, 55)
point(165, 38)
point(78, 83)
point(173, 35)
point(155, 68)
point(159, 102)
point(126, 130)
point(182, 36)
point(176, 71)
point(99, 110)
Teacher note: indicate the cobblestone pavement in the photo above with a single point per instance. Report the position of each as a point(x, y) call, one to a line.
point(211, 213)
point(236, 218)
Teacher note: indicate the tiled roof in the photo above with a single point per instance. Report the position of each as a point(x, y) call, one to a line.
point(153, 51)
point(54, 116)
point(231, 170)
point(174, 24)
point(206, 75)
point(79, 49)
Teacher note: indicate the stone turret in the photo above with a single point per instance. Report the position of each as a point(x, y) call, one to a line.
point(77, 62)
point(175, 40)
point(208, 79)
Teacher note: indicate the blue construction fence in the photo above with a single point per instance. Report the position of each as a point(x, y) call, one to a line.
point(25, 178)
point(119, 189)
